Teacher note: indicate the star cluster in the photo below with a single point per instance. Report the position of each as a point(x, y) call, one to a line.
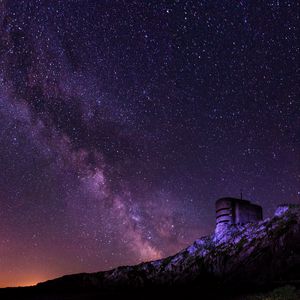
point(121, 123)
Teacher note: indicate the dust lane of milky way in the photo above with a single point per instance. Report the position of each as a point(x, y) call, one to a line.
point(121, 122)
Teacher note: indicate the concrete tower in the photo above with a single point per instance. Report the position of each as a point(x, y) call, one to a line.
point(236, 211)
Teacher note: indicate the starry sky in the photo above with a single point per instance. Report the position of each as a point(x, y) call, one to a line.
point(121, 123)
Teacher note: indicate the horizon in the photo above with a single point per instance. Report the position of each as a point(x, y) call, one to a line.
point(28, 283)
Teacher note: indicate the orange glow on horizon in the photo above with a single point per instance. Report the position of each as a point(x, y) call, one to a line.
point(21, 282)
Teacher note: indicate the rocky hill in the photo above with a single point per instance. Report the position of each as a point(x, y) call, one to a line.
point(238, 259)
point(243, 258)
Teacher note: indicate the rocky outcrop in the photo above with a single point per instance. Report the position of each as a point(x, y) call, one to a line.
point(245, 257)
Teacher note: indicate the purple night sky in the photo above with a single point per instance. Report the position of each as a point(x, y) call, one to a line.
point(121, 123)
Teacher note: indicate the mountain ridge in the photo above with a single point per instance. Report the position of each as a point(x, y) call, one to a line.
point(241, 257)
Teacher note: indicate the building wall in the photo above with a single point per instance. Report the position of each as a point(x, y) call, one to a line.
point(236, 211)
point(247, 212)
point(224, 211)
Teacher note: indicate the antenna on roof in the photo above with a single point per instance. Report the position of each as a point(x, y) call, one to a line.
point(241, 194)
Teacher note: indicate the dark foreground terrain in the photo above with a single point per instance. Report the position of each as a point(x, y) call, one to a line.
point(255, 261)
point(287, 292)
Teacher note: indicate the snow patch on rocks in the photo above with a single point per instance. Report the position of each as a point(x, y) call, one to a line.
point(281, 209)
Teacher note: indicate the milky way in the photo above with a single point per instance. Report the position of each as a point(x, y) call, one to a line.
point(121, 123)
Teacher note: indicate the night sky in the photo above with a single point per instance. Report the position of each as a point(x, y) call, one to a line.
point(121, 123)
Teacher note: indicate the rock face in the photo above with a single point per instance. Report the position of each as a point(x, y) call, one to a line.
point(245, 257)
